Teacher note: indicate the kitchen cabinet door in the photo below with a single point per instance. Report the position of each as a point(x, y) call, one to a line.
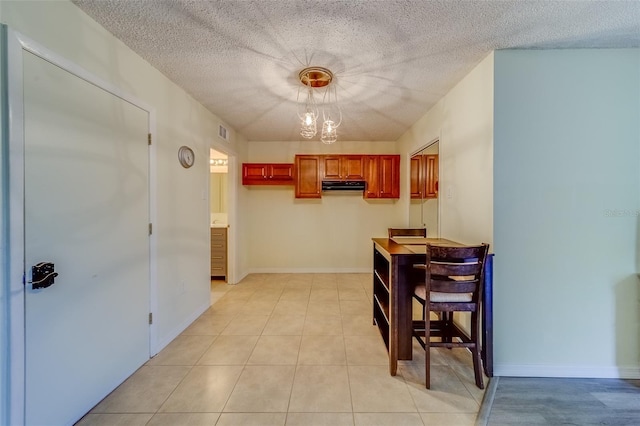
point(343, 167)
point(389, 173)
point(308, 169)
point(267, 174)
point(372, 176)
point(282, 172)
point(416, 177)
point(424, 176)
point(431, 176)
point(382, 176)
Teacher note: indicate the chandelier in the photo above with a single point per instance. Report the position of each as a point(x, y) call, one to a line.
point(316, 80)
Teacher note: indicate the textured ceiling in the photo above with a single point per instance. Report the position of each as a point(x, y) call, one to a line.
point(393, 60)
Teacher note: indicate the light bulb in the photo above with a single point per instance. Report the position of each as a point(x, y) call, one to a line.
point(308, 125)
point(329, 134)
point(308, 119)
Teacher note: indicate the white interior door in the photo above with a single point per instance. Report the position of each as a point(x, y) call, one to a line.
point(87, 212)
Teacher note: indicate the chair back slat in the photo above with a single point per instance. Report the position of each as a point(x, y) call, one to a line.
point(455, 269)
point(454, 306)
point(454, 254)
point(452, 286)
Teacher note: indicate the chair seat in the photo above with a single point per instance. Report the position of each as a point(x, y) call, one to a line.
point(437, 297)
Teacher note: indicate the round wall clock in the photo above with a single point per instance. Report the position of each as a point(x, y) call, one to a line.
point(186, 156)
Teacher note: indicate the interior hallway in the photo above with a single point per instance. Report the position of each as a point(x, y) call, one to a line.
point(291, 349)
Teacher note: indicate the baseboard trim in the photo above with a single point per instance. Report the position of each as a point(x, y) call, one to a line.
point(309, 271)
point(532, 370)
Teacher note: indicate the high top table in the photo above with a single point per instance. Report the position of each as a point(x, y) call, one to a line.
point(393, 260)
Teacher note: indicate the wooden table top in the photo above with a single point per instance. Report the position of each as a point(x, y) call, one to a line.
point(411, 245)
point(424, 241)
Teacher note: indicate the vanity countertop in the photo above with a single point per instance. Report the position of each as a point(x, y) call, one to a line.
point(219, 225)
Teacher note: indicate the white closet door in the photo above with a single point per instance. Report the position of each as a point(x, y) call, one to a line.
point(87, 212)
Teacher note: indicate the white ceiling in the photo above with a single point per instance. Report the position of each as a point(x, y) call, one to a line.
point(393, 60)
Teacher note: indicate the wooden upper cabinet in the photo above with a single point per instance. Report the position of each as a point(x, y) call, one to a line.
point(343, 167)
point(382, 176)
point(308, 181)
point(267, 174)
point(381, 173)
point(424, 176)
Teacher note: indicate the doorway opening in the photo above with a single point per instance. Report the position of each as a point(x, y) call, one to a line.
point(424, 208)
point(219, 214)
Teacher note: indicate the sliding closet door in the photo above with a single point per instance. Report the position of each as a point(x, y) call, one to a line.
point(87, 213)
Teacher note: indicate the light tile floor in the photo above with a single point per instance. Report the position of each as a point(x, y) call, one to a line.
point(290, 349)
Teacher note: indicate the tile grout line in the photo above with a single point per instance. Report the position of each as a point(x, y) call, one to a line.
point(295, 369)
point(341, 312)
point(243, 365)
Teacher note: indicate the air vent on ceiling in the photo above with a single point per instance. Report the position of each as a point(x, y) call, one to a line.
point(223, 133)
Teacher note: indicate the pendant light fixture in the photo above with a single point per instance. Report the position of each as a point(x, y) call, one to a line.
point(330, 113)
point(313, 80)
point(309, 115)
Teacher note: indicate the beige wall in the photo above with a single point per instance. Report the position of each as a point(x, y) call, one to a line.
point(182, 213)
point(331, 234)
point(463, 123)
point(238, 237)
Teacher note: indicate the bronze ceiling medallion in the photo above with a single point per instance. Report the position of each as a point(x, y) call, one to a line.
point(315, 77)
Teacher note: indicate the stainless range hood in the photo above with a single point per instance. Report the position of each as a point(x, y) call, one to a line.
point(346, 185)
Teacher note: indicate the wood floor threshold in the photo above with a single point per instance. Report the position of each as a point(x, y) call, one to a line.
point(487, 402)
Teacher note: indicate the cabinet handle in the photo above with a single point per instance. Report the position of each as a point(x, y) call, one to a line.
point(216, 257)
point(217, 268)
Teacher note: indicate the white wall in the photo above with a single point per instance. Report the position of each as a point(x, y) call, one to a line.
point(331, 234)
point(181, 226)
point(463, 122)
point(567, 197)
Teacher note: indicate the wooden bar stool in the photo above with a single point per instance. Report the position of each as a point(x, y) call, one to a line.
point(453, 283)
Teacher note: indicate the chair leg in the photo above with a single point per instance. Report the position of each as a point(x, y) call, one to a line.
point(447, 322)
point(427, 347)
point(475, 350)
point(477, 367)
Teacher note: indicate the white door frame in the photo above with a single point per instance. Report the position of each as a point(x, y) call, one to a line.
point(16, 44)
point(232, 196)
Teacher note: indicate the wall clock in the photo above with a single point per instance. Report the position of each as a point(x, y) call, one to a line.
point(186, 157)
